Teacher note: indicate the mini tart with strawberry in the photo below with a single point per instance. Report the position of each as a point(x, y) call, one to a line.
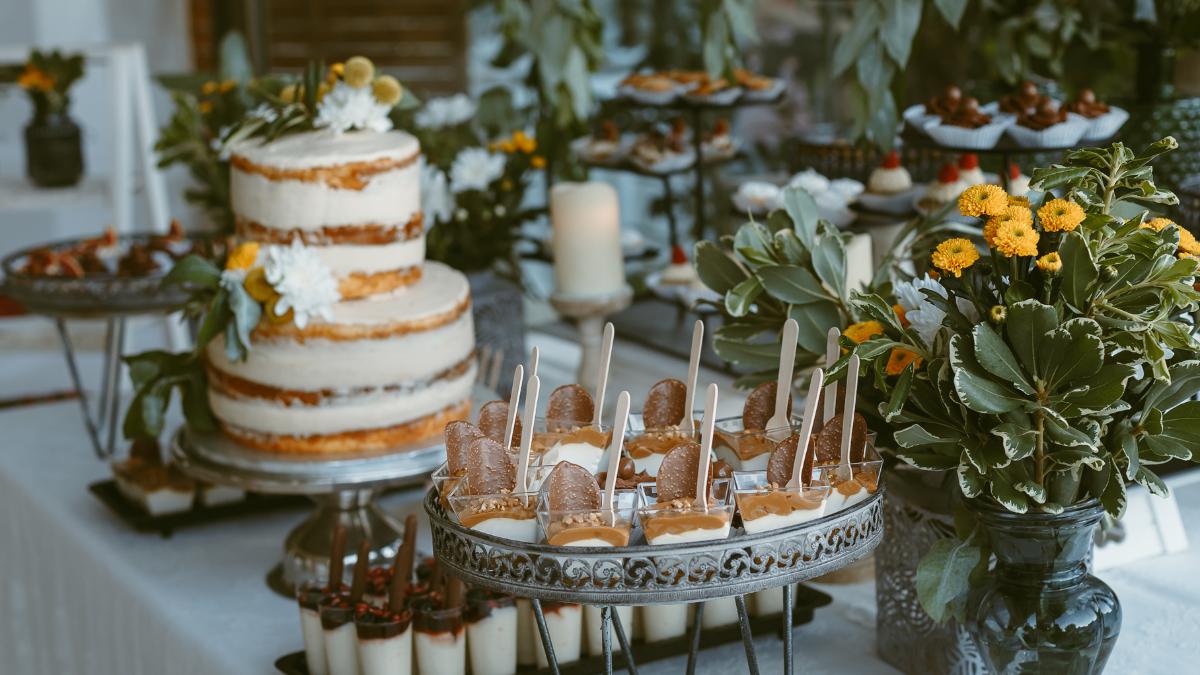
point(944, 190)
point(680, 272)
point(889, 177)
point(968, 169)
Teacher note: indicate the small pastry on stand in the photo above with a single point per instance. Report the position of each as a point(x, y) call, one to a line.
point(968, 169)
point(889, 187)
point(719, 143)
point(1049, 125)
point(943, 191)
point(1023, 101)
point(968, 126)
point(573, 431)
point(1018, 183)
point(1104, 120)
point(603, 146)
point(918, 117)
point(667, 419)
point(157, 487)
point(756, 197)
point(757, 87)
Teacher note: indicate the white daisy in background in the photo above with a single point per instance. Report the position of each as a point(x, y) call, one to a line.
point(811, 181)
point(304, 283)
point(475, 169)
point(345, 108)
point(923, 316)
point(436, 199)
point(446, 112)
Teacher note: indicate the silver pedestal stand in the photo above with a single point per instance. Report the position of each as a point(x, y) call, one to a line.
point(648, 575)
point(343, 489)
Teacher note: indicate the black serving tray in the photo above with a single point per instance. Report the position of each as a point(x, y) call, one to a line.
point(165, 525)
point(806, 600)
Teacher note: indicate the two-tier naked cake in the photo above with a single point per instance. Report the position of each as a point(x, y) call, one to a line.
point(394, 364)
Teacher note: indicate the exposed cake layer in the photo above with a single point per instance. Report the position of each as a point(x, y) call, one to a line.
point(320, 180)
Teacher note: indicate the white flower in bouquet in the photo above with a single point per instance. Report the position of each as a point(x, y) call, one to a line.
point(923, 316)
point(305, 284)
point(436, 199)
point(810, 181)
point(475, 169)
point(450, 111)
point(345, 108)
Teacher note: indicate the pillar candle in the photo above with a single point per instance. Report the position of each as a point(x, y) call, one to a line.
point(586, 219)
point(860, 266)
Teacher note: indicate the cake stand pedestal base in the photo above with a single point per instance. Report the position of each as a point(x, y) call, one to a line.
point(306, 549)
point(589, 314)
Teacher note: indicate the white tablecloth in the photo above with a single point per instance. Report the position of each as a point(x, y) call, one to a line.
point(84, 594)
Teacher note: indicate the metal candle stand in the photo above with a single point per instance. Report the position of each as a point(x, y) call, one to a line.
point(647, 575)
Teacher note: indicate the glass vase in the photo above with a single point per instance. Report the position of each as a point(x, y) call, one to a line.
point(53, 150)
point(1040, 611)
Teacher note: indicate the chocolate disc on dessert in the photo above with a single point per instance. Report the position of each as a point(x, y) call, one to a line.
point(459, 435)
point(493, 421)
point(828, 441)
point(489, 468)
point(783, 462)
point(570, 406)
point(571, 487)
point(664, 404)
point(760, 405)
point(677, 476)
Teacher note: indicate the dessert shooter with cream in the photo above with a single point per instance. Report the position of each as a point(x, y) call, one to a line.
point(338, 610)
point(446, 478)
point(569, 433)
point(491, 620)
point(157, 487)
point(439, 635)
point(843, 453)
point(310, 597)
point(384, 631)
point(745, 442)
point(666, 418)
point(564, 622)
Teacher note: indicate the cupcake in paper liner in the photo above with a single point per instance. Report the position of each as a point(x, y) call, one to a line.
point(968, 127)
point(1104, 121)
point(1049, 126)
point(922, 115)
point(916, 117)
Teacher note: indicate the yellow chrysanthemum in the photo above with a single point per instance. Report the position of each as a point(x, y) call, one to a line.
point(358, 71)
point(387, 90)
point(1013, 200)
point(205, 107)
point(899, 359)
point(288, 94)
point(272, 317)
point(524, 142)
point(1050, 263)
point(1060, 215)
point(982, 200)
point(257, 286)
point(862, 331)
point(1015, 239)
point(537, 162)
point(1014, 214)
point(1188, 243)
point(335, 71)
point(954, 255)
point(243, 256)
point(1157, 224)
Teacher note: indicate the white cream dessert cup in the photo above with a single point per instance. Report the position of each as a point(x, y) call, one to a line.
point(648, 447)
point(340, 636)
point(1107, 125)
point(491, 620)
point(585, 445)
point(564, 622)
point(746, 449)
point(843, 495)
point(440, 640)
point(667, 525)
point(510, 515)
point(527, 633)
point(980, 138)
point(590, 527)
point(308, 599)
point(385, 642)
point(663, 622)
point(1062, 135)
point(762, 505)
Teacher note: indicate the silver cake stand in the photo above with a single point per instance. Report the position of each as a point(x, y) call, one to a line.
point(344, 491)
point(649, 575)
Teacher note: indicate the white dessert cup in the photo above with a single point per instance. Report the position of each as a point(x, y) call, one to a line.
point(983, 138)
point(308, 600)
point(726, 96)
point(386, 647)
point(720, 507)
point(440, 641)
point(622, 517)
point(765, 94)
point(749, 484)
point(841, 499)
point(492, 621)
point(664, 622)
point(646, 97)
point(917, 118)
point(527, 633)
point(471, 512)
point(746, 449)
point(341, 639)
point(719, 612)
point(1107, 125)
point(553, 446)
point(564, 622)
point(1061, 135)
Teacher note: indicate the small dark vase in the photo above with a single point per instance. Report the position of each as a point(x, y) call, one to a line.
point(1041, 611)
point(53, 151)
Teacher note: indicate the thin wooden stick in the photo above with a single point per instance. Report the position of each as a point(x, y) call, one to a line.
point(806, 427)
point(606, 347)
point(531, 401)
point(688, 423)
point(514, 399)
point(706, 441)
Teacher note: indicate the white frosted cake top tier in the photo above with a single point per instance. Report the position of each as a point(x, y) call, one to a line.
point(325, 148)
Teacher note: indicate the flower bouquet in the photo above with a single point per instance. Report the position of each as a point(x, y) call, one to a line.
point(1044, 374)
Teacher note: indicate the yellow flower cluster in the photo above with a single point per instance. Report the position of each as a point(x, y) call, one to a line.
point(862, 331)
point(358, 72)
point(954, 255)
point(1012, 214)
point(520, 142)
point(1060, 215)
point(243, 257)
point(33, 78)
point(1015, 239)
point(213, 87)
point(1188, 245)
point(982, 200)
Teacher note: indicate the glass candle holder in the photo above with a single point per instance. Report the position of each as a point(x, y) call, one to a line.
point(681, 521)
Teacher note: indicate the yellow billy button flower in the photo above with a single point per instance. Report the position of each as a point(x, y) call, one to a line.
point(1014, 214)
point(1050, 263)
point(862, 331)
point(269, 311)
point(387, 90)
point(256, 285)
point(1060, 215)
point(1188, 243)
point(899, 359)
point(982, 200)
point(1015, 239)
point(228, 85)
point(243, 256)
point(358, 72)
point(954, 256)
point(1157, 224)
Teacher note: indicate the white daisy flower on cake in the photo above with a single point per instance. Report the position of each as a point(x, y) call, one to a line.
point(436, 199)
point(446, 112)
point(304, 283)
point(475, 169)
point(345, 108)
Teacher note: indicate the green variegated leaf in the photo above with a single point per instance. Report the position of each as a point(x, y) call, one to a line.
point(716, 269)
point(753, 242)
point(943, 577)
point(829, 262)
point(896, 401)
point(814, 321)
point(1158, 449)
point(1153, 484)
point(978, 391)
point(1034, 491)
point(1114, 498)
point(739, 299)
point(748, 355)
point(930, 461)
point(1008, 497)
point(1152, 422)
point(1079, 270)
point(1073, 457)
point(1018, 442)
point(1182, 424)
point(1129, 448)
point(1027, 324)
point(998, 359)
point(1069, 353)
point(917, 436)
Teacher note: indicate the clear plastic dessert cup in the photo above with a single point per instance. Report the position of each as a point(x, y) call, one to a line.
point(766, 507)
point(591, 527)
point(341, 639)
point(384, 641)
point(647, 447)
point(585, 445)
point(682, 521)
point(746, 449)
point(440, 639)
point(309, 599)
point(511, 515)
point(844, 492)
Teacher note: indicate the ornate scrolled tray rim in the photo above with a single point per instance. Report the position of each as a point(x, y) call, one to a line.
point(647, 575)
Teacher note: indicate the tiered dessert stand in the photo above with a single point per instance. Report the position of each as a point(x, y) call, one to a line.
point(109, 297)
point(649, 575)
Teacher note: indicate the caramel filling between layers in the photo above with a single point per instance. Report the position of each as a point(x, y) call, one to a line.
point(236, 387)
point(586, 434)
point(348, 176)
point(358, 443)
point(513, 511)
point(679, 522)
point(566, 535)
point(656, 443)
point(776, 502)
point(366, 233)
point(345, 332)
point(362, 284)
point(862, 479)
point(746, 445)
